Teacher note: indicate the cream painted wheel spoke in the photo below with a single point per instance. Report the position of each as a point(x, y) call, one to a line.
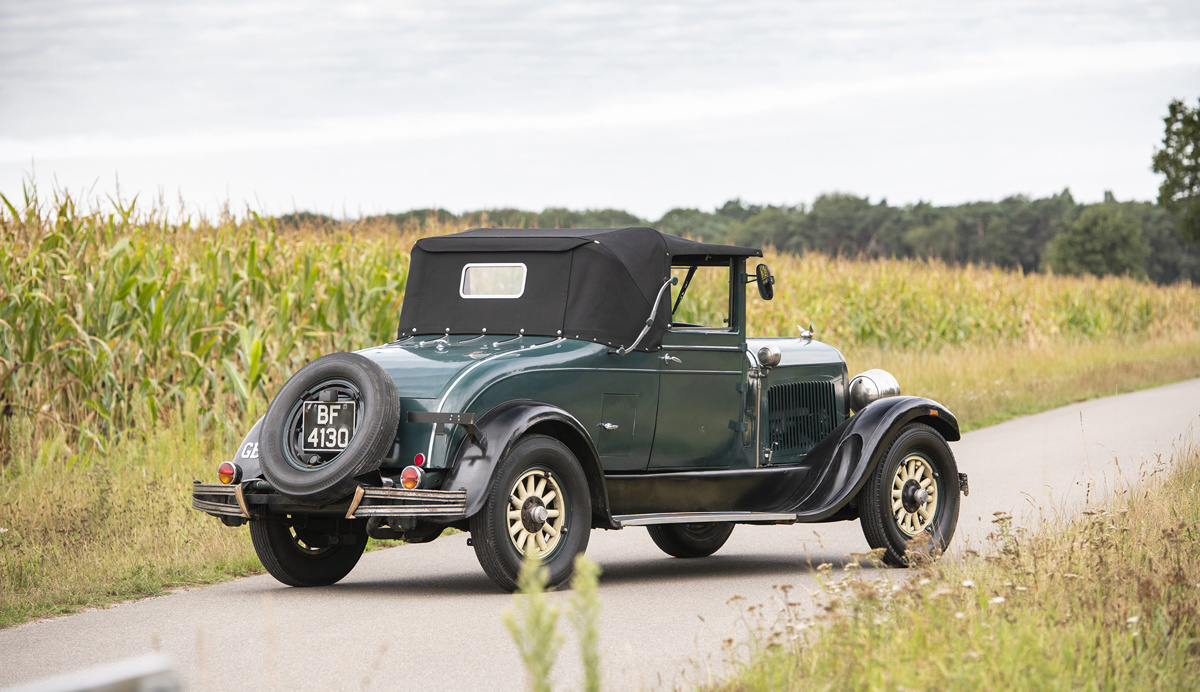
point(537, 491)
point(913, 475)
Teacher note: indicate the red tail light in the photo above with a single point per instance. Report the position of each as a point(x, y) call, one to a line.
point(229, 473)
point(411, 477)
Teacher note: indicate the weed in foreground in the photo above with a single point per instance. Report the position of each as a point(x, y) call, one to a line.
point(1109, 601)
point(533, 624)
point(585, 617)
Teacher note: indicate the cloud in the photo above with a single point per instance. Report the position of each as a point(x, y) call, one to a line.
point(631, 112)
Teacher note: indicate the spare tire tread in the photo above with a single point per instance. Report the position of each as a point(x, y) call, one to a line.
point(373, 438)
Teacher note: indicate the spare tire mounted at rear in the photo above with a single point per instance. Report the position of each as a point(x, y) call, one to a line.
point(333, 421)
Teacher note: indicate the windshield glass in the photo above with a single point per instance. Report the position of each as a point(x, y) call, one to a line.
point(705, 298)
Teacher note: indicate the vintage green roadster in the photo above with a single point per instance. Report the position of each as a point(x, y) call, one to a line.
point(540, 387)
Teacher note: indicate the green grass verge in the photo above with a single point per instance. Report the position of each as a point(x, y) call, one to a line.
point(986, 385)
point(1110, 601)
point(76, 533)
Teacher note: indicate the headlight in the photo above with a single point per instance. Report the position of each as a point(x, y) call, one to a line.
point(769, 356)
point(872, 386)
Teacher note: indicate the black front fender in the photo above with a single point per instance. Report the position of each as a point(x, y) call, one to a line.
point(500, 428)
point(844, 460)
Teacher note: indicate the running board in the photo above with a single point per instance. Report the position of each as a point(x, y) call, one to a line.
point(624, 520)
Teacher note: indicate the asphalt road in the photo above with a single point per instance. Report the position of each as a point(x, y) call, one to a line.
point(426, 617)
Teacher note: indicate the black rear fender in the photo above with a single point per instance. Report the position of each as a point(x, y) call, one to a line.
point(246, 455)
point(500, 429)
point(844, 460)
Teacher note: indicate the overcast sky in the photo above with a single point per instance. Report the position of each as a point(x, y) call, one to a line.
point(369, 107)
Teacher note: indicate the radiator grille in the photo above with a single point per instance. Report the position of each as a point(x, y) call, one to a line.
point(800, 414)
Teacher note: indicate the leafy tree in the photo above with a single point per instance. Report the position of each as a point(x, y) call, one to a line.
point(843, 224)
point(735, 210)
point(695, 224)
point(420, 217)
point(1101, 242)
point(780, 227)
point(1179, 161)
point(935, 240)
point(1172, 258)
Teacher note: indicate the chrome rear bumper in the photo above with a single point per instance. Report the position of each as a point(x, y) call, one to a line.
point(237, 501)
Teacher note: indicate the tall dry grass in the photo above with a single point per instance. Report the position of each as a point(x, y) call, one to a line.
point(1109, 601)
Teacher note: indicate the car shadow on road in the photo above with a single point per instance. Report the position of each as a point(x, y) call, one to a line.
point(464, 584)
point(653, 571)
point(716, 567)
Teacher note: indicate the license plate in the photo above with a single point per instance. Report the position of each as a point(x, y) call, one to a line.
point(328, 427)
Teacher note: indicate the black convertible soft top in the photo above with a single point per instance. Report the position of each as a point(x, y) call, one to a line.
point(580, 283)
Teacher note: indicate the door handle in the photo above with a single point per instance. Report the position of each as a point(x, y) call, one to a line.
point(668, 359)
point(608, 426)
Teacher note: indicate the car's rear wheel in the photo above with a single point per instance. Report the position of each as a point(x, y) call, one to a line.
point(538, 504)
point(300, 558)
point(911, 500)
point(690, 540)
point(334, 420)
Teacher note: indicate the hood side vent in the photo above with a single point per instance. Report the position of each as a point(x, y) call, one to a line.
point(800, 414)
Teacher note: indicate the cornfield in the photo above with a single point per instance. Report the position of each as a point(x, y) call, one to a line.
point(108, 316)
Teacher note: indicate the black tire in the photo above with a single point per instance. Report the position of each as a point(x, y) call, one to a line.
point(535, 458)
point(378, 416)
point(925, 451)
point(690, 540)
point(291, 560)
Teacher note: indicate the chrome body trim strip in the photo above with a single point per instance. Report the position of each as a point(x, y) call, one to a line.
point(703, 518)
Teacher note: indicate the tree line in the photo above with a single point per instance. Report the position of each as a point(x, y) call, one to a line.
point(1159, 241)
point(1031, 234)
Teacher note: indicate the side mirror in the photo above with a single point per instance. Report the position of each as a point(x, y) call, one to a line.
point(766, 282)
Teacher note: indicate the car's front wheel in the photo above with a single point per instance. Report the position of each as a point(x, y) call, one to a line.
point(301, 558)
point(690, 540)
point(910, 502)
point(538, 505)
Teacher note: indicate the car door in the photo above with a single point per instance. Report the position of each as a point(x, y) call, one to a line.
point(702, 385)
